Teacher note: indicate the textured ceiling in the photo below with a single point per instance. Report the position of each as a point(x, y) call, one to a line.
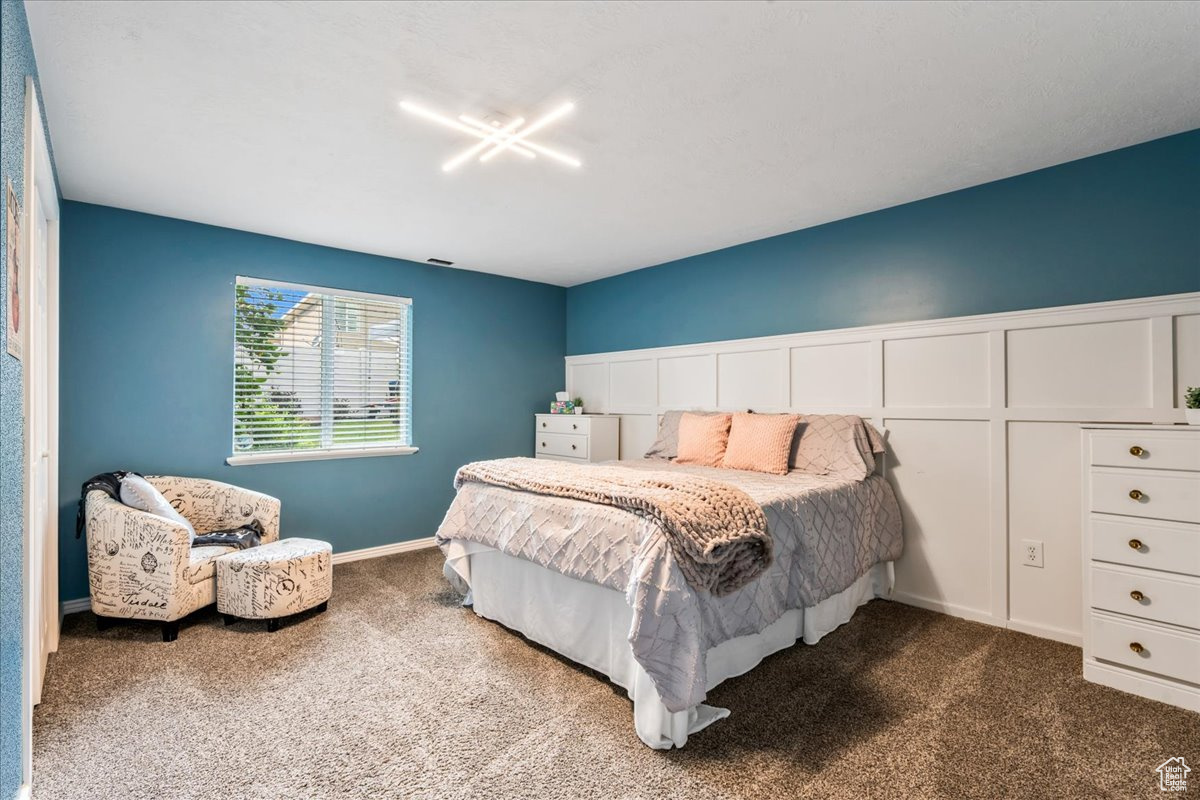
point(701, 125)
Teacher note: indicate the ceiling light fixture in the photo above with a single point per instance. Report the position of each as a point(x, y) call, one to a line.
point(537, 148)
point(433, 116)
point(496, 137)
point(562, 110)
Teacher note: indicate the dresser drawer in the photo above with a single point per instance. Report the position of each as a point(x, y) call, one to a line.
point(568, 459)
point(1147, 595)
point(1170, 546)
point(1147, 449)
point(562, 423)
point(561, 444)
point(1175, 654)
point(1153, 494)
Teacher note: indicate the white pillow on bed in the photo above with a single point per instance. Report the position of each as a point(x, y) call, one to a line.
point(139, 493)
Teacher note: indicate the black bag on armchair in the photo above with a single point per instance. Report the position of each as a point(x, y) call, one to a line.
point(249, 535)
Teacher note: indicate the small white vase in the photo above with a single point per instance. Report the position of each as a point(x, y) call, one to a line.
point(1192, 415)
point(579, 410)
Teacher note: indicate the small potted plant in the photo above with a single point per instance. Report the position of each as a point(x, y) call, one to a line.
point(1191, 399)
point(579, 405)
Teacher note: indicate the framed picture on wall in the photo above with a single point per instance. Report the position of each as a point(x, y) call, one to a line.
point(12, 319)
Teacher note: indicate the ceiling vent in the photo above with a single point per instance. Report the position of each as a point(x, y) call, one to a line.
point(441, 262)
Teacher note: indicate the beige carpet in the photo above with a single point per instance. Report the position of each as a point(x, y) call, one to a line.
point(397, 691)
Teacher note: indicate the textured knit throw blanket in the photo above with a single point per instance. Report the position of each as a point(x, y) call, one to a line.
point(717, 533)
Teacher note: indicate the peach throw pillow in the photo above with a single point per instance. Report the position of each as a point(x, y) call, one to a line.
point(702, 439)
point(761, 442)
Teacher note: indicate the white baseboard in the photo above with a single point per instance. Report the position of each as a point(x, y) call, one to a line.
point(344, 557)
point(949, 609)
point(1046, 632)
point(25, 792)
point(347, 556)
point(963, 612)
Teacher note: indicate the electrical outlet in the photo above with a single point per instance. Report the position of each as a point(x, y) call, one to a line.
point(1031, 553)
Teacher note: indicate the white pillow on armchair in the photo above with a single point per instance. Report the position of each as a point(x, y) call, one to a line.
point(139, 493)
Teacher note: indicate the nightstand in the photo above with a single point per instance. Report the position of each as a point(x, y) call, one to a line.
point(577, 437)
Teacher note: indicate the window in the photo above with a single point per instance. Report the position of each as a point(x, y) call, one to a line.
point(347, 315)
point(319, 373)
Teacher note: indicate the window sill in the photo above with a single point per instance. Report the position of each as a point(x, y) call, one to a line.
point(246, 459)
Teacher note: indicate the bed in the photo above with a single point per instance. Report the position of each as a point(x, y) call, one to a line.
point(602, 585)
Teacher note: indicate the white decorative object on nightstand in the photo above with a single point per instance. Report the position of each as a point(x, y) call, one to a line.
point(1141, 579)
point(577, 437)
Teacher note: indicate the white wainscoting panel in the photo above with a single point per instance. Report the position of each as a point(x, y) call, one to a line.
point(688, 381)
point(1081, 366)
point(632, 384)
point(936, 371)
point(638, 432)
point(1043, 505)
point(754, 379)
point(589, 381)
point(941, 481)
point(1187, 355)
point(831, 375)
point(983, 416)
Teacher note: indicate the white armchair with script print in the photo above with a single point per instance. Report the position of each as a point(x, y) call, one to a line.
point(143, 566)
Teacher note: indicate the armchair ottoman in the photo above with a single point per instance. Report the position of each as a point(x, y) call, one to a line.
point(142, 566)
point(275, 580)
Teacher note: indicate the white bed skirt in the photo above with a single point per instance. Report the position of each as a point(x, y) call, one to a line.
point(590, 624)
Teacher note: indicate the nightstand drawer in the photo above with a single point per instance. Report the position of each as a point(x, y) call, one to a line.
point(1146, 493)
point(561, 444)
point(1147, 449)
point(1144, 594)
point(562, 423)
point(1153, 648)
point(1170, 546)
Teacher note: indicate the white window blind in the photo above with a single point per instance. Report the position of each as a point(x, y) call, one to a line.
point(319, 371)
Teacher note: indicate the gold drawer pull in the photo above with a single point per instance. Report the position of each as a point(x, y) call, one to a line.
point(572, 447)
point(1136, 544)
point(1136, 647)
point(543, 444)
point(543, 424)
point(1136, 595)
point(574, 427)
point(1136, 494)
point(1136, 451)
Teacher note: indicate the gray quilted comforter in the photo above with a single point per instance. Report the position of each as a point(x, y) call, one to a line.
point(827, 533)
point(716, 531)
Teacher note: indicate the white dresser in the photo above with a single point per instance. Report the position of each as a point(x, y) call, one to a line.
point(577, 437)
point(1141, 580)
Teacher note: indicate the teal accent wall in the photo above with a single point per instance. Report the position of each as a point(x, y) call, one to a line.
point(16, 62)
point(1114, 226)
point(147, 372)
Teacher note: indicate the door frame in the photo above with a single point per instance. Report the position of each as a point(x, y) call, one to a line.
point(39, 614)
